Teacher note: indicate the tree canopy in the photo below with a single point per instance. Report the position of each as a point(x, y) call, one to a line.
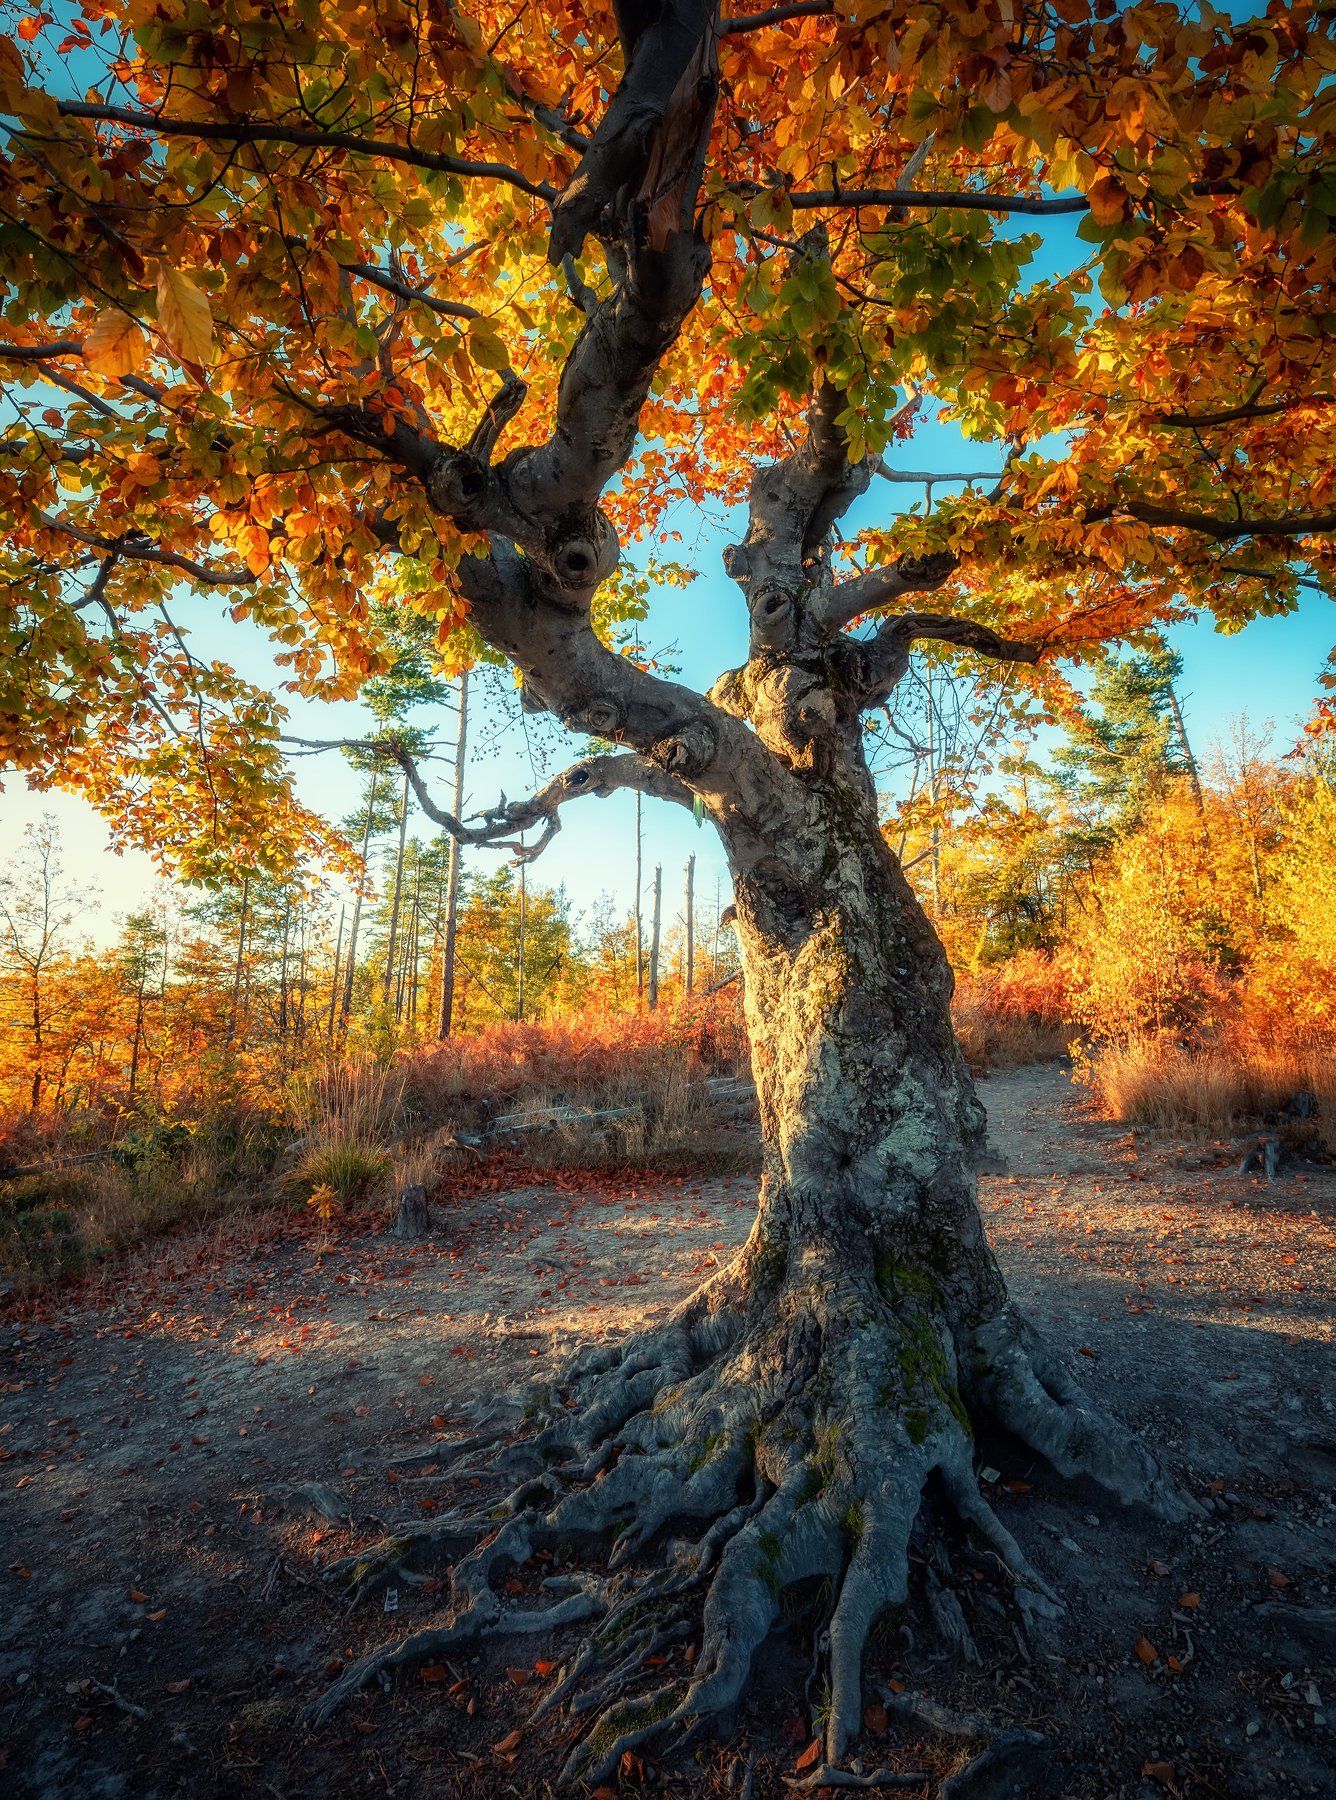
point(277, 281)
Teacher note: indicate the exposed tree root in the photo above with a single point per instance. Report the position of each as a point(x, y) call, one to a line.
point(728, 1457)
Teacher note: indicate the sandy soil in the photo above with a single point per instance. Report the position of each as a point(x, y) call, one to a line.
point(163, 1617)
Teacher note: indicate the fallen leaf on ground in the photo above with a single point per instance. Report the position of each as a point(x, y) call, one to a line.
point(1276, 1579)
point(1162, 1772)
point(1190, 1601)
point(508, 1744)
point(810, 1754)
point(1145, 1650)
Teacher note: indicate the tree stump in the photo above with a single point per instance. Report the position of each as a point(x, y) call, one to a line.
point(413, 1218)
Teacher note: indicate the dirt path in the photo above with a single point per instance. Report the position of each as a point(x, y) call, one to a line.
point(141, 1418)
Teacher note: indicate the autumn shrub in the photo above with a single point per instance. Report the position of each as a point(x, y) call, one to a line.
point(590, 1060)
point(1013, 1012)
point(1224, 1091)
point(68, 1219)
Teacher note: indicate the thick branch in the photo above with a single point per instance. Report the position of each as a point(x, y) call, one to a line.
point(775, 15)
point(884, 660)
point(670, 68)
point(40, 352)
point(849, 599)
point(1248, 409)
point(1225, 531)
point(264, 131)
point(792, 505)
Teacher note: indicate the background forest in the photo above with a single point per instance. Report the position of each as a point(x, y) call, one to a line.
point(1163, 912)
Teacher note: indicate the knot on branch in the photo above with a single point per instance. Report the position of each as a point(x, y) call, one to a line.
point(772, 616)
point(458, 485)
point(927, 571)
point(580, 553)
point(603, 718)
point(687, 753)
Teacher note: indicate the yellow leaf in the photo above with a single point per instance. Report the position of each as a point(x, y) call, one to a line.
point(115, 345)
point(184, 317)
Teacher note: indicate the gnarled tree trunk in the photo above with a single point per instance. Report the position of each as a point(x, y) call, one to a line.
point(795, 1416)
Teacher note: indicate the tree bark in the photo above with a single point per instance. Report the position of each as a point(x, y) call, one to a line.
point(655, 922)
point(387, 990)
point(358, 897)
point(447, 1017)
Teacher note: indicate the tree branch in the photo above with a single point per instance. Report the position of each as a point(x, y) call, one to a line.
point(40, 352)
point(671, 73)
point(1248, 409)
point(1225, 531)
point(967, 199)
point(597, 775)
point(259, 131)
point(134, 547)
point(776, 15)
point(863, 593)
point(885, 658)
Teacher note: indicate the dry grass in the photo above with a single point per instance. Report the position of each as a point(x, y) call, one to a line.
point(356, 1129)
point(993, 1040)
point(1224, 1090)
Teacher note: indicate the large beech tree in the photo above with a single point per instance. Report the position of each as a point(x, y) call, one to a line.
point(328, 311)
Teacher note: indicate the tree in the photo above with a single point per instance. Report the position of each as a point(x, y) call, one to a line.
point(1126, 745)
point(36, 911)
point(295, 283)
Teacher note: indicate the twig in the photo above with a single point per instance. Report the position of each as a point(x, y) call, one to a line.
point(117, 1698)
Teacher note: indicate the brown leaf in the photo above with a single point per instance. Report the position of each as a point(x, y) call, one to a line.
point(138, 1598)
point(435, 1672)
point(1276, 1579)
point(1162, 1772)
point(1157, 1567)
point(178, 1687)
point(1189, 1601)
point(1145, 1650)
point(509, 1744)
point(544, 1668)
point(874, 1718)
point(520, 1677)
point(810, 1755)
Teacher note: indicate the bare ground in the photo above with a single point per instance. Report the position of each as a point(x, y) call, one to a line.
point(163, 1617)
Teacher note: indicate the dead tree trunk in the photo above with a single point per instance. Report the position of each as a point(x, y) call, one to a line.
point(387, 987)
point(689, 969)
point(359, 896)
point(655, 920)
point(447, 1018)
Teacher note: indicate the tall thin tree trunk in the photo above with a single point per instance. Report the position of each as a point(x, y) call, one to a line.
point(358, 898)
point(334, 980)
point(396, 895)
point(283, 975)
point(138, 1036)
point(691, 923)
point(654, 938)
point(523, 932)
point(241, 959)
point(1194, 775)
point(640, 925)
point(453, 871)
